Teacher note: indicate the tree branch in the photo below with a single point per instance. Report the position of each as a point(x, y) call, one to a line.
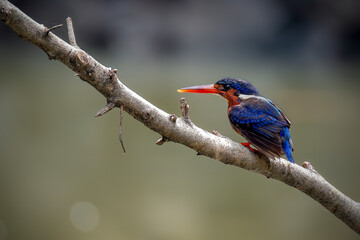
point(178, 129)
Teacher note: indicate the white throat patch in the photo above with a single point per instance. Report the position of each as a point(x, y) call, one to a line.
point(244, 96)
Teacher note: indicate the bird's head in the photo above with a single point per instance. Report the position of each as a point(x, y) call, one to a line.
point(229, 88)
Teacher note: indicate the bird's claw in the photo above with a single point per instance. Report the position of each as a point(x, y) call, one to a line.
point(247, 144)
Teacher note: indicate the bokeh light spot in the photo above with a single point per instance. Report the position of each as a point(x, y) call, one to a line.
point(84, 216)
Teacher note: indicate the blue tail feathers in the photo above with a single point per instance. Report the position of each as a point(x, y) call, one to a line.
point(286, 143)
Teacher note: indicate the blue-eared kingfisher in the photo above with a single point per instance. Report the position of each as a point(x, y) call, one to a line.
point(256, 118)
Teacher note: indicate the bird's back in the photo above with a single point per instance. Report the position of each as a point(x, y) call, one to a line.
point(260, 121)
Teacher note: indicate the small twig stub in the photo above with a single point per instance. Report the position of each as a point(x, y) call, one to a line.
point(107, 108)
point(52, 28)
point(308, 166)
point(161, 141)
point(71, 33)
point(184, 107)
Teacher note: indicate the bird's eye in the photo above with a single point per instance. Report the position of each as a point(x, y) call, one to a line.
point(227, 87)
point(223, 87)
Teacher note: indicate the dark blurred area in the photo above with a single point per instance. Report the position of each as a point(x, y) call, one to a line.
point(315, 32)
point(63, 174)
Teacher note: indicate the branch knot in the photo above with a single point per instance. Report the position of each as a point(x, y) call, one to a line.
point(4, 14)
point(308, 166)
point(81, 59)
point(173, 118)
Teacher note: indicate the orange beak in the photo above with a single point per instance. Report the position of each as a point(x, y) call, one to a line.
point(200, 89)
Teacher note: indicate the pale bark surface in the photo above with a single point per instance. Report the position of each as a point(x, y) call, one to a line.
point(177, 129)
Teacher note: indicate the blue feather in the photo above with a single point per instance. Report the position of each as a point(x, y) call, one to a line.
point(287, 143)
point(263, 124)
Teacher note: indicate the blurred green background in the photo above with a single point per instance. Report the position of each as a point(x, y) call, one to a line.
point(63, 174)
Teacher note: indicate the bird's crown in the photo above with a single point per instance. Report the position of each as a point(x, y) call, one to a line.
point(241, 86)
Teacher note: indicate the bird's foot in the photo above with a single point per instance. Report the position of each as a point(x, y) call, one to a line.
point(247, 144)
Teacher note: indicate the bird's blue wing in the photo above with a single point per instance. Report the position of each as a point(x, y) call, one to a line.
point(260, 122)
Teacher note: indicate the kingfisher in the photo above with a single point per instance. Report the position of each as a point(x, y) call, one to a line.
point(253, 116)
